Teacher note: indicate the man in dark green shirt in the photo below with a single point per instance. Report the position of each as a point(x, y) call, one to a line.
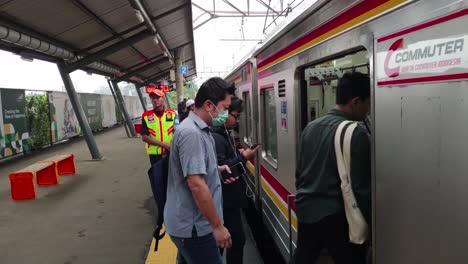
point(319, 201)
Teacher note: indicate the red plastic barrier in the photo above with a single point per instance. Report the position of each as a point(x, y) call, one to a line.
point(65, 163)
point(22, 181)
point(137, 128)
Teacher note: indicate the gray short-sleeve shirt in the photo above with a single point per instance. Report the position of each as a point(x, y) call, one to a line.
point(193, 152)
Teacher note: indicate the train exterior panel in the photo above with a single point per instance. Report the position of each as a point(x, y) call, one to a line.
point(416, 56)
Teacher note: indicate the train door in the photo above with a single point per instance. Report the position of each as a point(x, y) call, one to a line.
point(421, 146)
point(321, 80)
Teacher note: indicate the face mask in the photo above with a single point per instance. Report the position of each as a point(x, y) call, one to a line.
point(221, 118)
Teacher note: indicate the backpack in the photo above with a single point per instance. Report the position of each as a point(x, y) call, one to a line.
point(158, 174)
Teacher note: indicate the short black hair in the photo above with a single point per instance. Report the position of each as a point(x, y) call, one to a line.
point(236, 104)
point(214, 89)
point(352, 85)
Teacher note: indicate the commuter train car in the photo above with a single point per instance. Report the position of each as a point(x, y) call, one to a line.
point(416, 54)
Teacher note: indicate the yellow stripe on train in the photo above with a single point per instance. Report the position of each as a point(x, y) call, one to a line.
point(275, 198)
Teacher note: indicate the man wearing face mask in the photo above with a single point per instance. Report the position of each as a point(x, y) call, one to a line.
point(319, 202)
point(193, 212)
point(234, 197)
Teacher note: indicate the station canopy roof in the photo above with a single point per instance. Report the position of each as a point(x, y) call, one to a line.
point(129, 40)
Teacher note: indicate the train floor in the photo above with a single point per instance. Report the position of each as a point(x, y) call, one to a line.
point(102, 214)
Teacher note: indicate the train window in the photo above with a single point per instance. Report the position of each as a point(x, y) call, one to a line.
point(322, 80)
point(270, 146)
point(246, 119)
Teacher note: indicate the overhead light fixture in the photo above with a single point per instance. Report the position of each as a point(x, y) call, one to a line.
point(27, 58)
point(156, 40)
point(165, 54)
point(139, 16)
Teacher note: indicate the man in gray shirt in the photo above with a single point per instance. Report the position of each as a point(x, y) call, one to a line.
point(193, 213)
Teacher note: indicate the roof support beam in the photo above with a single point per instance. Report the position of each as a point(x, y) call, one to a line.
point(133, 67)
point(79, 112)
point(204, 22)
point(150, 25)
point(142, 69)
point(139, 26)
point(157, 75)
point(233, 6)
point(155, 57)
point(110, 39)
point(101, 22)
point(107, 51)
point(268, 7)
point(203, 9)
point(125, 115)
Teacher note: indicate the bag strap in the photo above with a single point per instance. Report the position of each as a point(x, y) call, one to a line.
point(343, 155)
point(347, 148)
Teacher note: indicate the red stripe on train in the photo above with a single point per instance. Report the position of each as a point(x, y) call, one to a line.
point(275, 184)
point(346, 16)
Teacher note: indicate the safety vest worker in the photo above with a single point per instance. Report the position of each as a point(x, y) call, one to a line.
point(157, 127)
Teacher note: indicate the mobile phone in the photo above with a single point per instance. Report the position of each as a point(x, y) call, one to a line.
point(254, 146)
point(237, 170)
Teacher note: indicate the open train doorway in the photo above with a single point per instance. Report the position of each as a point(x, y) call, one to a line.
point(318, 91)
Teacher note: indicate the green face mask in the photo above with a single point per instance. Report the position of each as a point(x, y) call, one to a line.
point(221, 118)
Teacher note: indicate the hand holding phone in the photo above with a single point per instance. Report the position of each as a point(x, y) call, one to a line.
point(255, 145)
point(237, 170)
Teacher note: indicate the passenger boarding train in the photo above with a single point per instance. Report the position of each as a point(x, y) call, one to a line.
point(416, 54)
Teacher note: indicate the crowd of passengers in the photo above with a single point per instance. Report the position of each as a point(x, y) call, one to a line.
point(206, 190)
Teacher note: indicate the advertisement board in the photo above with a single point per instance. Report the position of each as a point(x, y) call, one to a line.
point(63, 119)
point(16, 136)
point(91, 104)
point(109, 117)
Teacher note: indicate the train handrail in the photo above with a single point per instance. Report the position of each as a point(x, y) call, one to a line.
point(289, 199)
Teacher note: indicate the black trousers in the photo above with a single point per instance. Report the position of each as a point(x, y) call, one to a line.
point(154, 158)
point(331, 233)
point(233, 223)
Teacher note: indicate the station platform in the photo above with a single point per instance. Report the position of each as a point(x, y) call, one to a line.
point(102, 214)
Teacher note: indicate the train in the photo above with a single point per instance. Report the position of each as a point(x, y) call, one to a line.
point(414, 53)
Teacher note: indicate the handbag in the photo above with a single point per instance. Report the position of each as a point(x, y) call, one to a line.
point(358, 228)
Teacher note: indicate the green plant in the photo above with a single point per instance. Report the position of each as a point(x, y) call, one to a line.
point(38, 122)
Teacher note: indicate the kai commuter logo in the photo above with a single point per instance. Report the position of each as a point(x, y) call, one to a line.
point(424, 56)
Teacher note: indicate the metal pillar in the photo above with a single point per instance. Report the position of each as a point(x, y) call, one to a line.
point(79, 112)
point(256, 133)
point(127, 119)
point(179, 78)
point(118, 105)
point(141, 98)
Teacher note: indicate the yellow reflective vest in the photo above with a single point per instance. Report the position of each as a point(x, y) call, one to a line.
point(160, 128)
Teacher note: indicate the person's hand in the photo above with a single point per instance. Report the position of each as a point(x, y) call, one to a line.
point(231, 180)
point(222, 237)
point(250, 153)
point(167, 146)
point(224, 168)
point(241, 150)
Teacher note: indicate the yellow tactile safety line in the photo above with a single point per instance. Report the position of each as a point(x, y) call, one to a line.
point(166, 254)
